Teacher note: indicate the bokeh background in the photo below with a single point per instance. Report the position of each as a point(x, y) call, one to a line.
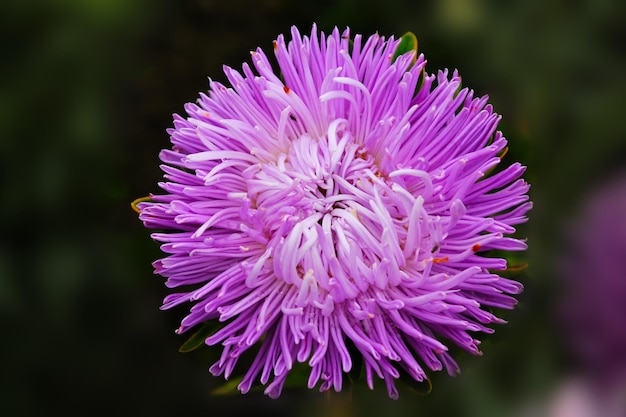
point(87, 89)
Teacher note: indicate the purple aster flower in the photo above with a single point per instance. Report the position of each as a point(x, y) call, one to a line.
point(337, 211)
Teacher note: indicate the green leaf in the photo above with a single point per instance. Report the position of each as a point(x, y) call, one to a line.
point(197, 339)
point(298, 376)
point(230, 387)
point(408, 42)
point(418, 387)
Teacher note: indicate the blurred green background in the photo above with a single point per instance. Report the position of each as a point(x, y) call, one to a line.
point(87, 89)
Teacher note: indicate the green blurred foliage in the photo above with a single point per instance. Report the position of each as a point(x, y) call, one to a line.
point(87, 89)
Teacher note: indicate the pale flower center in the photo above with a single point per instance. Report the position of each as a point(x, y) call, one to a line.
point(320, 204)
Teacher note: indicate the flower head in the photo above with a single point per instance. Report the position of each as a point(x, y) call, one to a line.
point(336, 211)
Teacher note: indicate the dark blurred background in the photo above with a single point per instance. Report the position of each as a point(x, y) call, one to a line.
point(87, 89)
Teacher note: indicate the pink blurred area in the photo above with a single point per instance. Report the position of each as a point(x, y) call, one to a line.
point(593, 269)
point(576, 397)
point(591, 305)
